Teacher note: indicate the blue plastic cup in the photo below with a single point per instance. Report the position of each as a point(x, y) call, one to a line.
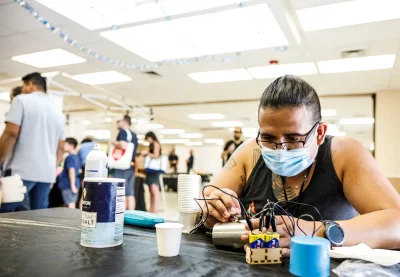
point(309, 256)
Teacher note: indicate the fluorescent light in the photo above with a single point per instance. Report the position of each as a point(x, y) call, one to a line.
point(333, 130)
point(372, 146)
point(250, 135)
point(226, 124)
point(108, 120)
point(206, 116)
point(172, 131)
point(329, 112)
point(98, 134)
point(245, 130)
point(194, 143)
point(273, 71)
point(216, 141)
point(152, 126)
point(236, 30)
point(49, 58)
point(357, 121)
point(220, 76)
point(348, 13)
point(95, 14)
point(103, 77)
point(5, 96)
point(173, 141)
point(191, 135)
point(357, 64)
point(87, 122)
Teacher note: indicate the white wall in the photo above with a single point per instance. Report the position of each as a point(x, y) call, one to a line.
point(207, 159)
point(387, 149)
point(4, 107)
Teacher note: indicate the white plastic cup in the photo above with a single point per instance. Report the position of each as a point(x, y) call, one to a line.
point(169, 239)
point(188, 219)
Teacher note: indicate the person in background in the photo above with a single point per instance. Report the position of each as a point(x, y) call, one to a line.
point(173, 160)
point(69, 182)
point(232, 145)
point(15, 92)
point(86, 146)
point(33, 141)
point(153, 179)
point(124, 137)
point(190, 161)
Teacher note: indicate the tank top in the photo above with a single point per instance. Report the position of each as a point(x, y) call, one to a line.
point(151, 148)
point(325, 190)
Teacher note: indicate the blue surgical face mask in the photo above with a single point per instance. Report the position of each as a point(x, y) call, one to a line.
point(287, 163)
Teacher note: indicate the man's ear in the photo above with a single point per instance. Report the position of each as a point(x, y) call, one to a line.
point(321, 131)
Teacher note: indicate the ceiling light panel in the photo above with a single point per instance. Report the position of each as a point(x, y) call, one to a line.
point(206, 116)
point(234, 30)
point(273, 71)
point(49, 58)
point(220, 76)
point(95, 14)
point(357, 121)
point(172, 131)
point(357, 64)
point(191, 135)
point(329, 112)
point(227, 124)
point(103, 77)
point(348, 13)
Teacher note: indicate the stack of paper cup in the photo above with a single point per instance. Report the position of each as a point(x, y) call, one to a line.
point(188, 188)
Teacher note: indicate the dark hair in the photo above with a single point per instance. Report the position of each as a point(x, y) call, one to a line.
point(128, 119)
point(16, 91)
point(36, 79)
point(72, 141)
point(151, 135)
point(86, 140)
point(290, 91)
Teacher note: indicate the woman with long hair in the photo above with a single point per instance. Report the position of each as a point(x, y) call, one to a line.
point(153, 179)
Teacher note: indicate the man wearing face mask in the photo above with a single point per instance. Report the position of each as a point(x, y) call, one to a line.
point(293, 159)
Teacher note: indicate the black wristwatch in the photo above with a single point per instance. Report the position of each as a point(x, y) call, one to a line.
point(334, 233)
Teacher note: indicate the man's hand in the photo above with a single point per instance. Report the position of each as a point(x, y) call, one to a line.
point(221, 207)
point(284, 231)
point(74, 190)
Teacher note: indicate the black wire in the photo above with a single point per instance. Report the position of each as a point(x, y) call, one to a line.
point(302, 204)
point(306, 215)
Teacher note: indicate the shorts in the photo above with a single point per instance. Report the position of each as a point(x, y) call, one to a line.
point(152, 179)
point(69, 197)
point(129, 176)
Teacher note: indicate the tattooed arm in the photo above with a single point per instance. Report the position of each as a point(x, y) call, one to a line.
point(231, 179)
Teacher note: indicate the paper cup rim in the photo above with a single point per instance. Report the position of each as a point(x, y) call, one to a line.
point(169, 225)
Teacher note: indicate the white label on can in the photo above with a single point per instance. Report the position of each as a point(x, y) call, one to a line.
point(89, 219)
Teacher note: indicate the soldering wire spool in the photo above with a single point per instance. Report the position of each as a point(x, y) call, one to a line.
point(309, 256)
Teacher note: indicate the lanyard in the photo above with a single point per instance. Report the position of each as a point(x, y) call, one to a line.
point(283, 178)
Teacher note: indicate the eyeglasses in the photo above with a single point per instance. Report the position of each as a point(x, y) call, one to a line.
point(288, 145)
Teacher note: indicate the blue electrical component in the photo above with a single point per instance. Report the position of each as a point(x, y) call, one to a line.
point(142, 219)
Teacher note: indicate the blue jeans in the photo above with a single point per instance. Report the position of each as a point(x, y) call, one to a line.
point(37, 195)
point(9, 207)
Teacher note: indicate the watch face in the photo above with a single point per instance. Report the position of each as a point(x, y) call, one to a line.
point(335, 234)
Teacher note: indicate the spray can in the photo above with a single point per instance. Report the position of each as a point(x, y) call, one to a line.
point(96, 163)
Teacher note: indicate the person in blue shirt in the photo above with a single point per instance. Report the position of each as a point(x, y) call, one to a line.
point(124, 137)
point(69, 182)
